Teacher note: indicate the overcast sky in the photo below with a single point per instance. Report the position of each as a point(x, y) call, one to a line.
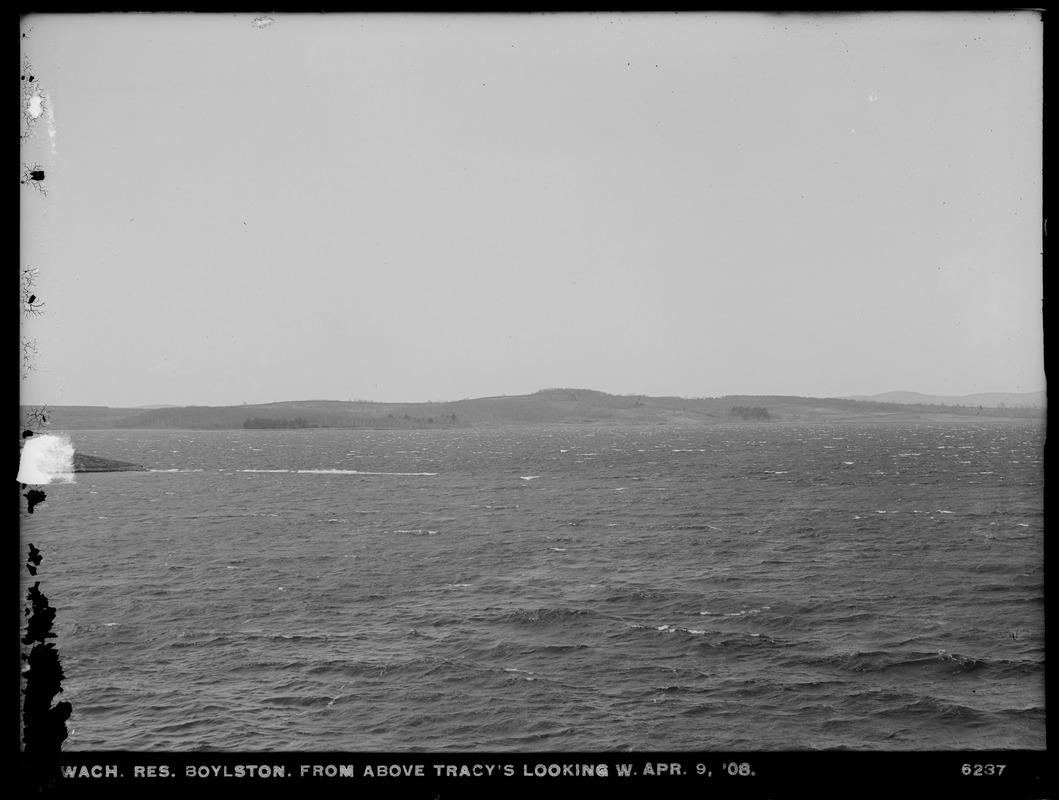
point(432, 207)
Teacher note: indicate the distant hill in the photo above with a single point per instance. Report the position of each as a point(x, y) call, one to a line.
point(549, 406)
point(985, 399)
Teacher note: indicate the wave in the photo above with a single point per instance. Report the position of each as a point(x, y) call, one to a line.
point(546, 617)
point(716, 640)
point(747, 640)
point(936, 709)
point(880, 661)
point(79, 627)
point(741, 613)
point(623, 595)
point(671, 629)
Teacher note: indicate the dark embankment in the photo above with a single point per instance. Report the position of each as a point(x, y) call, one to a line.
point(83, 463)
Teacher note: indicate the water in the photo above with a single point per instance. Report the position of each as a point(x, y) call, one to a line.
point(567, 588)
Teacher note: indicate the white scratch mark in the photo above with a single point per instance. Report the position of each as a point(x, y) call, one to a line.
point(53, 131)
point(46, 458)
point(36, 105)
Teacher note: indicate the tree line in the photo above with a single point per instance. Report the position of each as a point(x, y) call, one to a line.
point(748, 412)
point(273, 424)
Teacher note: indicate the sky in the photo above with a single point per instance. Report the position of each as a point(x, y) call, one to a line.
point(240, 208)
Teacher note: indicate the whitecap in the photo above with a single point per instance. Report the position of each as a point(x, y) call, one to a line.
point(678, 629)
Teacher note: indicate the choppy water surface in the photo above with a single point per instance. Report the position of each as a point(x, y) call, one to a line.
point(565, 588)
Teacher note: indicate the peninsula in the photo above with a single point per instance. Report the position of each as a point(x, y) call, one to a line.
point(84, 463)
